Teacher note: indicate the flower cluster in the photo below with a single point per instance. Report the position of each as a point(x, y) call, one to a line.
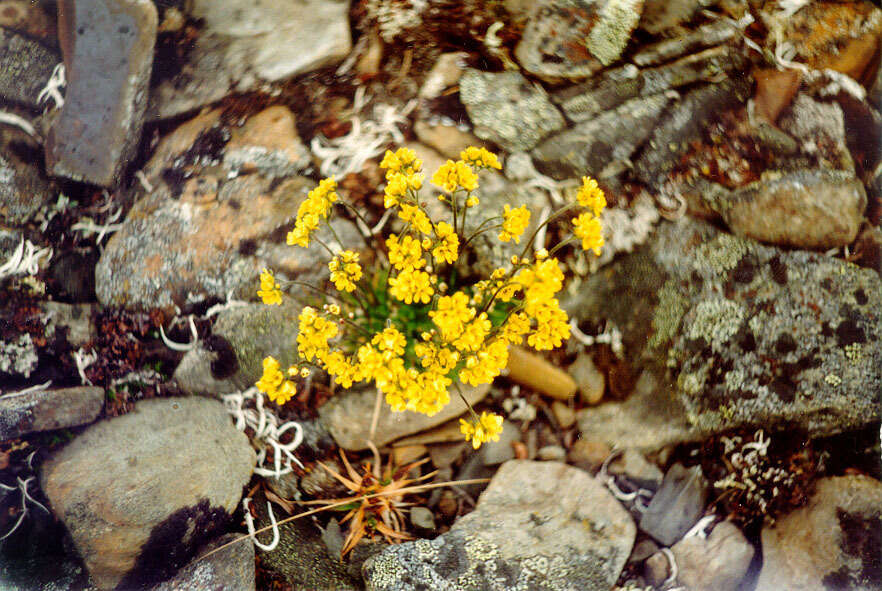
point(413, 327)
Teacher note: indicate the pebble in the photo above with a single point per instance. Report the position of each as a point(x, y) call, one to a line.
point(25, 67)
point(347, 416)
point(108, 55)
point(47, 410)
point(507, 109)
point(541, 525)
point(422, 518)
point(590, 381)
point(563, 414)
point(155, 483)
point(831, 542)
point(494, 453)
point(716, 563)
point(445, 73)
point(529, 369)
point(677, 505)
point(551, 453)
point(589, 452)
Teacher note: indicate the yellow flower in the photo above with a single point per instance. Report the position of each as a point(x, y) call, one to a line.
point(317, 206)
point(455, 175)
point(314, 333)
point(269, 290)
point(473, 334)
point(514, 329)
point(451, 314)
point(590, 195)
point(412, 285)
point(337, 365)
point(402, 160)
point(486, 428)
point(590, 230)
point(398, 185)
point(486, 363)
point(514, 223)
point(480, 158)
point(438, 359)
point(405, 253)
point(417, 218)
point(448, 243)
point(345, 270)
point(273, 383)
point(390, 340)
point(551, 327)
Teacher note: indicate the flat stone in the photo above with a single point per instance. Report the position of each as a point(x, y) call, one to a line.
point(244, 44)
point(507, 109)
point(830, 543)
point(752, 335)
point(590, 381)
point(709, 35)
point(716, 563)
point(141, 492)
point(538, 525)
point(573, 39)
point(677, 505)
point(46, 410)
point(108, 51)
point(347, 416)
point(229, 568)
point(812, 209)
point(25, 67)
point(589, 147)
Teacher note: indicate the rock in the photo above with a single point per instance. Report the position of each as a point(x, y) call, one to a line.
point(775, 90)
point(529, 369)
point(23, 190)
point(301, 558)
point(683, 123)
point(868, 249)
point(590, 381)
point(25, 68)
point(268, 143)
point(199, 367)
point(613, 87)
point(657, 569)
point(445, 455)
point(28, 17)
point(18, 356)
point(73, 272)
point(642, 550)
point(636, 468)
point(710, 35)
point(74, 321)
point(243, 45)
point(751, 334)
point(539, 525)
point(563, 414)
point(552, 453)
point(812, 209)
point(718, 563)
point(108, 54)
point(573, 39)
point(449, 140)
point(661, 15)
point(46, 410)
point(677, 505)
point(494, 453)
point(422, 518)
point(445, 73)
point(820, 129)
point(831, 543)
point(588, 453)
point(591, 146)
point(141, 492)
point(507, 109)
point(230, 568)
point(651, 418)
point(347, 416)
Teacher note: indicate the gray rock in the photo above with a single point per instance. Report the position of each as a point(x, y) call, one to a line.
point(25, 68)
point(200, 369)
point(650, 419)
point(636, 468)
point(677, 505)
point(820, 129)
point(230, 568)
point(23, 190)
point(539, 525)
point(301, 558)
point(18, 356)
point(245, 44)
point(661, 15)
point(507, 109)
point(811, 209)
point(347, 416)
point(141, 492)
point(589, 379)
point(614, 87)
point(591, 146)
point(831, 543)
point(74, 321)
point(108, 50)
point(575, 38)
point(46, 410)
point(752, 335)
point(494, 453)
point(717, 563)
point(709, 35)
point(422, 518)
point(684, 123)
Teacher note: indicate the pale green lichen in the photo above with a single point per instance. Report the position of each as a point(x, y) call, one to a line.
point(668, 312)
point(854, 352)
point(833, 379)
point(721, 254)
point(716, 321)
point(616, 21)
